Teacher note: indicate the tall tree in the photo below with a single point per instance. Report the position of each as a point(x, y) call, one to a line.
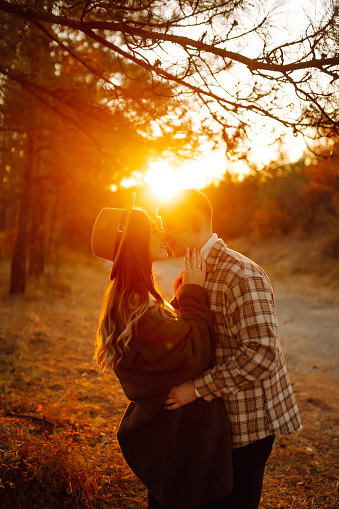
point(19, 259)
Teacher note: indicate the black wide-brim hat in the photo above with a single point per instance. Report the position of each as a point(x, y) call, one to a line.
point(109, 232)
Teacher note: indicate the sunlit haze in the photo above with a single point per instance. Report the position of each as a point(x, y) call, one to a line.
point(166, 180)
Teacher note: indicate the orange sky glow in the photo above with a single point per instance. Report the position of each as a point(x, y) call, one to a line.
point(166, 180)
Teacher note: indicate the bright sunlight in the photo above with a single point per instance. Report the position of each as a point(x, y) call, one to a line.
point(165, 181)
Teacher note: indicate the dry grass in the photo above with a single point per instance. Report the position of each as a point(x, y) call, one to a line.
point(59, 415)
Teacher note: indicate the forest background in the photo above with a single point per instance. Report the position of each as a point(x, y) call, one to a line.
point(94, 93)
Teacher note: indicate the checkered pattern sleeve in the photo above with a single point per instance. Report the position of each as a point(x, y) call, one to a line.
point(246, 318)
point(250, 373)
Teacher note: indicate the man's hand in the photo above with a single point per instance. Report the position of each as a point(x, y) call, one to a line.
point(180, 395)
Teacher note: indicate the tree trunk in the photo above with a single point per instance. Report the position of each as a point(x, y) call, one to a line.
point(18, 266)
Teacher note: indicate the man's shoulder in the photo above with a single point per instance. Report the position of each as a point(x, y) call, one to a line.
point(225, 259)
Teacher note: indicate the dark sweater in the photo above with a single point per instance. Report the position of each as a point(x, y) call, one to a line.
point(183, 456)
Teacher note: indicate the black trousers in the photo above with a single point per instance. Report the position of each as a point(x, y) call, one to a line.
point(248, 474)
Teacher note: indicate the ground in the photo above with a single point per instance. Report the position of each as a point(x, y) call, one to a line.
point(59, 414)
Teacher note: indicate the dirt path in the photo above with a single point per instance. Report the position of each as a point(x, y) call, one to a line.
point(308, 322)
point(309, 333)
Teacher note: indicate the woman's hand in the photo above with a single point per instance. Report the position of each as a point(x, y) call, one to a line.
point(195, 268)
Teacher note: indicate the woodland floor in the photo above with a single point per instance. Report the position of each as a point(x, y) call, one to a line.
point(59, 415)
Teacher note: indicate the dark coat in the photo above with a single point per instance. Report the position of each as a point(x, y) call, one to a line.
point(183, 456)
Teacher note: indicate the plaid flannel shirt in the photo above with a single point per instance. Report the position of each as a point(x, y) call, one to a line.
point(250, 372)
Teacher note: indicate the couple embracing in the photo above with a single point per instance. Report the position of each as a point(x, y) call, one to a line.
point(205, 373)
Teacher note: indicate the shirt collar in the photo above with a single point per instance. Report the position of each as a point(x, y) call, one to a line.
point(206, 248)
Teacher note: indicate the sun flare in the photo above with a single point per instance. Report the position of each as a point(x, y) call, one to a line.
point(165, 181)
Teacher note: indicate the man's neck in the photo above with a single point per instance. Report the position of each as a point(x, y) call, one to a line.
point(204, 240)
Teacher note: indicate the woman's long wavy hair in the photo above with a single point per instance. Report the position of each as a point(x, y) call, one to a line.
point(127, 297)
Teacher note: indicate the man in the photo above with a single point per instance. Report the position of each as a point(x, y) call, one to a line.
point(250, 372)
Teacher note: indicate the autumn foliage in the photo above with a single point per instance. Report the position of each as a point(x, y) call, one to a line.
point(283, 198)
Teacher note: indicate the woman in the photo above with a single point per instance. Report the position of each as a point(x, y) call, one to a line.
point(184, 456)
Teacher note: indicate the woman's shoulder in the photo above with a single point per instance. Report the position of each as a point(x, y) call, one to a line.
point(154, 307)
point(161, 325)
